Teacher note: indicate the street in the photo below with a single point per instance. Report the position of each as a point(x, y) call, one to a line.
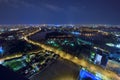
point(106, 74)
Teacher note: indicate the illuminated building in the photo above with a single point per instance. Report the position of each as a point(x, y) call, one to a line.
point(85, 75)
point(1, 51)
point(101, 58)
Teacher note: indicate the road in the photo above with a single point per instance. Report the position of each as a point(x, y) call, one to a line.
point(106, 74)
point(19, 54)
point(9, 57)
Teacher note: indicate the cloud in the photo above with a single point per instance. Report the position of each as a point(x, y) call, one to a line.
point(52, 7)
point(73, 8)
point(16, 3)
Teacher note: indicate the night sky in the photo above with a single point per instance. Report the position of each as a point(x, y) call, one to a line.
point(59, 11)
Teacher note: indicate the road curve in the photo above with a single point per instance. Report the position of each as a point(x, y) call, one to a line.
point(106, 74)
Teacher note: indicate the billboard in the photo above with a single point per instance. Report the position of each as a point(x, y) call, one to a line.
point(98, 59)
